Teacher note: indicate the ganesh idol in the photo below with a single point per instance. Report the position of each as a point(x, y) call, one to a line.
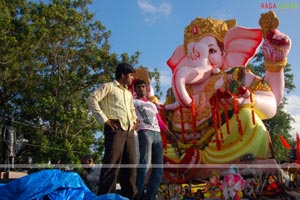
point(219, 103)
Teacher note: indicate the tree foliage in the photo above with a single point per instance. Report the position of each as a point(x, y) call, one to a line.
point(281, 122)
point(155, 76)
point(51, 56)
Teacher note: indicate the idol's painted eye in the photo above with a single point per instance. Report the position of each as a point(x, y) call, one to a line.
point(212, 50)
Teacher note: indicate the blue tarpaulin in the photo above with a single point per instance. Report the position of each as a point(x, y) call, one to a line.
point(51, 185)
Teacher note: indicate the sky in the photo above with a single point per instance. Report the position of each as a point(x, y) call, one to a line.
point(156, 28)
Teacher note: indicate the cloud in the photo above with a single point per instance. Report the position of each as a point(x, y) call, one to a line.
point(293, 107)
point(152, 11)
point(165, 78)
point(223, 14)
point(295, 126)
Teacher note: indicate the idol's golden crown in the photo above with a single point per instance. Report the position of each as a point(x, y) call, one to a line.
point(201, 27)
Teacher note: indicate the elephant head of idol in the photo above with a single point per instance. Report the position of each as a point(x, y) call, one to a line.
point(210, 45)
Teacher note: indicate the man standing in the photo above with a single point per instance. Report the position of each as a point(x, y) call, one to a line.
point(112, 104)
point(150, 142)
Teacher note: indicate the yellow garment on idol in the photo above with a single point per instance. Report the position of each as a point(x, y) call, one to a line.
point(253, 140)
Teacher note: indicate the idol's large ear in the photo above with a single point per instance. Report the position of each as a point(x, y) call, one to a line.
point(240, 45)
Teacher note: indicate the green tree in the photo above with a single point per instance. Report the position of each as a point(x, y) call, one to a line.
point(155, 76)
point(281, 122)
point(51, 56)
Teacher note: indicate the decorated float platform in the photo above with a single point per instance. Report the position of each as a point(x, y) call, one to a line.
point(262, 179)
point(215, 108)
point(284, 184)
